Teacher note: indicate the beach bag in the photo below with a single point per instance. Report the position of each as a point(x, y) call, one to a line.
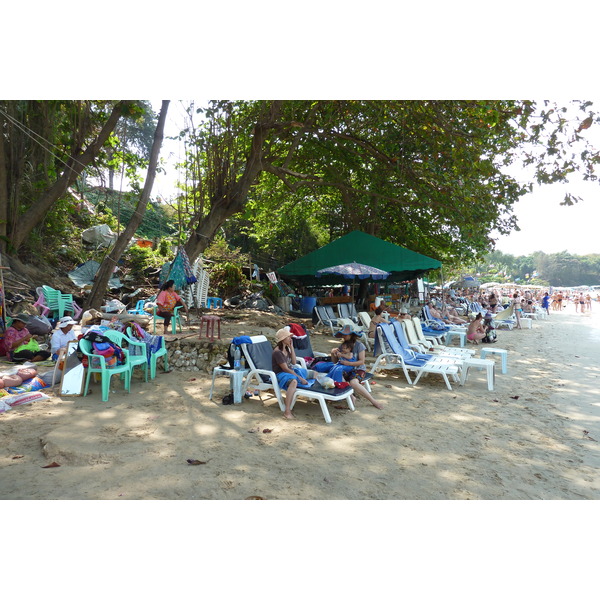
point(490, 337)
point(38, 325)
point(30, 345)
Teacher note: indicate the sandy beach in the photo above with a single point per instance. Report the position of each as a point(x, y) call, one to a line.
point(536, 436)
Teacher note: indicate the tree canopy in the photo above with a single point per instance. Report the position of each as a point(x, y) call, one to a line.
point(286, 177)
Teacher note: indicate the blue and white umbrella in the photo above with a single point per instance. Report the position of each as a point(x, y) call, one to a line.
point(354, 269)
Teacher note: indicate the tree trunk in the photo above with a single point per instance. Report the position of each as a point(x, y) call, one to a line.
point(3, 192)
point(233, 202)
point(75, 165)
point(96, 297)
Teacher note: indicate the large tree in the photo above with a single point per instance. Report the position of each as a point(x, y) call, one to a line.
point(44, 147)
point(96, 297)
point(430, 175)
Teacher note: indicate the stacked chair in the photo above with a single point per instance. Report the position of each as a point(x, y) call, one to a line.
point(56, 302)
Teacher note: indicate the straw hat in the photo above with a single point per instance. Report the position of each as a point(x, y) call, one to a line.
point(282, 334)
point(347, 331)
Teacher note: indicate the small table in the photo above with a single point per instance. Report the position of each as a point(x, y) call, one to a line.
point(210, 321)
point(480, 363)
point(462, 336)
point(501, 352)
point(236, 377)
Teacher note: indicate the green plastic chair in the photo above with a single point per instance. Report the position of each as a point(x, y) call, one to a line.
point(58, 302)
point(97, 364)
point(175, 319)
point(137, 350)
point(161, 352)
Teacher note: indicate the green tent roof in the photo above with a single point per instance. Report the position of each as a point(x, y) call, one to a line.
point(363, 248)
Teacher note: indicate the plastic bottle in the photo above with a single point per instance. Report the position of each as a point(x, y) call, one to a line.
point(237, 355)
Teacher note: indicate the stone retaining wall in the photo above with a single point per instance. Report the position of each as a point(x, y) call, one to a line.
point(196, 355)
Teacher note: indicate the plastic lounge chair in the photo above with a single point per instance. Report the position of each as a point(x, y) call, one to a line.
point(348, 311)
point(261, 377)
point(325, 318)
point(154, 356)
point(365, 320)
point(420, 344)
point(97, 364)
point(391, 354)
point(434, 335)
point(505, 318)
point(303, 347)
point(175, 320)
point(138, 356)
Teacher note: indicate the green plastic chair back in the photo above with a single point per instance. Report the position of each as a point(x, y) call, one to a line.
point(97, 364)
point(137, 350)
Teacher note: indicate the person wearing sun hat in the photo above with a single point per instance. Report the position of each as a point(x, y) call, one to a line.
point(288, 373)
point(335, 369)
point(62, 336)
point(20, 344)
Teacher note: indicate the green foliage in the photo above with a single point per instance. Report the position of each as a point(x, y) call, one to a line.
point(114, 207)
point(226, 276)
point(139, 258)
point(560, 269)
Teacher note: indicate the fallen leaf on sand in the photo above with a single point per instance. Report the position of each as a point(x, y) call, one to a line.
point(267, 430)
point(495, 400)
point(254, 498)
point(515, 397)
point(387, 385)
point(18, 456)
point(191, 461)
point(192, 379)
point(51, 465)
point(341, 407)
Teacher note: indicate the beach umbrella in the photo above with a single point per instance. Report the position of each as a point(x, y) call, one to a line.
point(467, 281)
point(353, 271)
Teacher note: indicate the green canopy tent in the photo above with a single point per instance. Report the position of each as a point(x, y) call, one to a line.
point(401, 263)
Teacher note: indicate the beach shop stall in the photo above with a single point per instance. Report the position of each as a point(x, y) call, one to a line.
point(401, 263)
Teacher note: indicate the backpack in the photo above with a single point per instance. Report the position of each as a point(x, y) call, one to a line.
point(490, 337)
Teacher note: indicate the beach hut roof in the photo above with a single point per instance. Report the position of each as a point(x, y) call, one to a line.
point(363, 248)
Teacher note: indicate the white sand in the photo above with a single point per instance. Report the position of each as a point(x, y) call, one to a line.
point(427, 443)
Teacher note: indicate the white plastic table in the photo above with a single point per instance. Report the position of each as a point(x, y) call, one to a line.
point(462, 336)
point(236, 377)
point(501, 352)
point(480, 363)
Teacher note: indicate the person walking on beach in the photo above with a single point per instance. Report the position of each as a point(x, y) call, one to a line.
point(516, 304)
point(546, 303)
